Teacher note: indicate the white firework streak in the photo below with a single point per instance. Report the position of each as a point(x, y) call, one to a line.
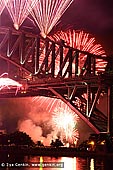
point(19, 10)
point(65, 121)
point(47, 13)
point(2, 5)
point(7, 83)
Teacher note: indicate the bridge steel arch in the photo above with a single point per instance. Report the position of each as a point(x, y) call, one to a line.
point(52, 69)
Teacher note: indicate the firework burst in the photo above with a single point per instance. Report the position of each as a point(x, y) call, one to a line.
point(84, 42)
point(63, 118)
point(19, 10)
point(47, 13)
point(64, 121)
point(8, 83)
point(2, 5)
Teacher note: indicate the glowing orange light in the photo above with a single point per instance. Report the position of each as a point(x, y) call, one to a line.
point(92, 143)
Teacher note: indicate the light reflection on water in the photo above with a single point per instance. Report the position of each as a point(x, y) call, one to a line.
point(92, 166)
point(73, 163)
point(70, 163)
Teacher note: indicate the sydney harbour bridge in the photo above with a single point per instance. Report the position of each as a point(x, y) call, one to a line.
point(53, 69)
point(57, 74)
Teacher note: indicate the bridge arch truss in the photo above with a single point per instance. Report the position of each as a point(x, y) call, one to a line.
point(52, 69)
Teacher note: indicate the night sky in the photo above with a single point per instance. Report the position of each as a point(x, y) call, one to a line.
point(93, 16)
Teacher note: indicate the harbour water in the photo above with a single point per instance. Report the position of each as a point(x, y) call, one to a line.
point(56, 163)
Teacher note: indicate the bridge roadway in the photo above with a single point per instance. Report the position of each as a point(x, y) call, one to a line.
point(52, 69)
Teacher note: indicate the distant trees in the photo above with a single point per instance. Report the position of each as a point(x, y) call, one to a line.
point(39, 143)
point(4, 139)
point(16, 138)
point(20, 138)
point(56, 143)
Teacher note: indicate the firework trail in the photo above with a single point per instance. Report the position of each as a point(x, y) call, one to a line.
point(19, 10)
point(84, 42)
point(47, 13)
point(2, 5)
point(79, 40)
point(8, 83)
point(49, 103)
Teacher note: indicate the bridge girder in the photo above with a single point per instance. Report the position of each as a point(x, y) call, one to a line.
point(53, 69)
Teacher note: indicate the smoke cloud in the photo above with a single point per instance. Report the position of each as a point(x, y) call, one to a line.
point(33, 117)
point(26, 115)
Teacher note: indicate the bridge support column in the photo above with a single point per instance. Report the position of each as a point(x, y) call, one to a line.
point(88, 99)
point(110, 110)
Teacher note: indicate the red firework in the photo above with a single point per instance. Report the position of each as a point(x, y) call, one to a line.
point(84, 42)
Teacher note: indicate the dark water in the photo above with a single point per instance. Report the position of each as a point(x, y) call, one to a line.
point(52, 163)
